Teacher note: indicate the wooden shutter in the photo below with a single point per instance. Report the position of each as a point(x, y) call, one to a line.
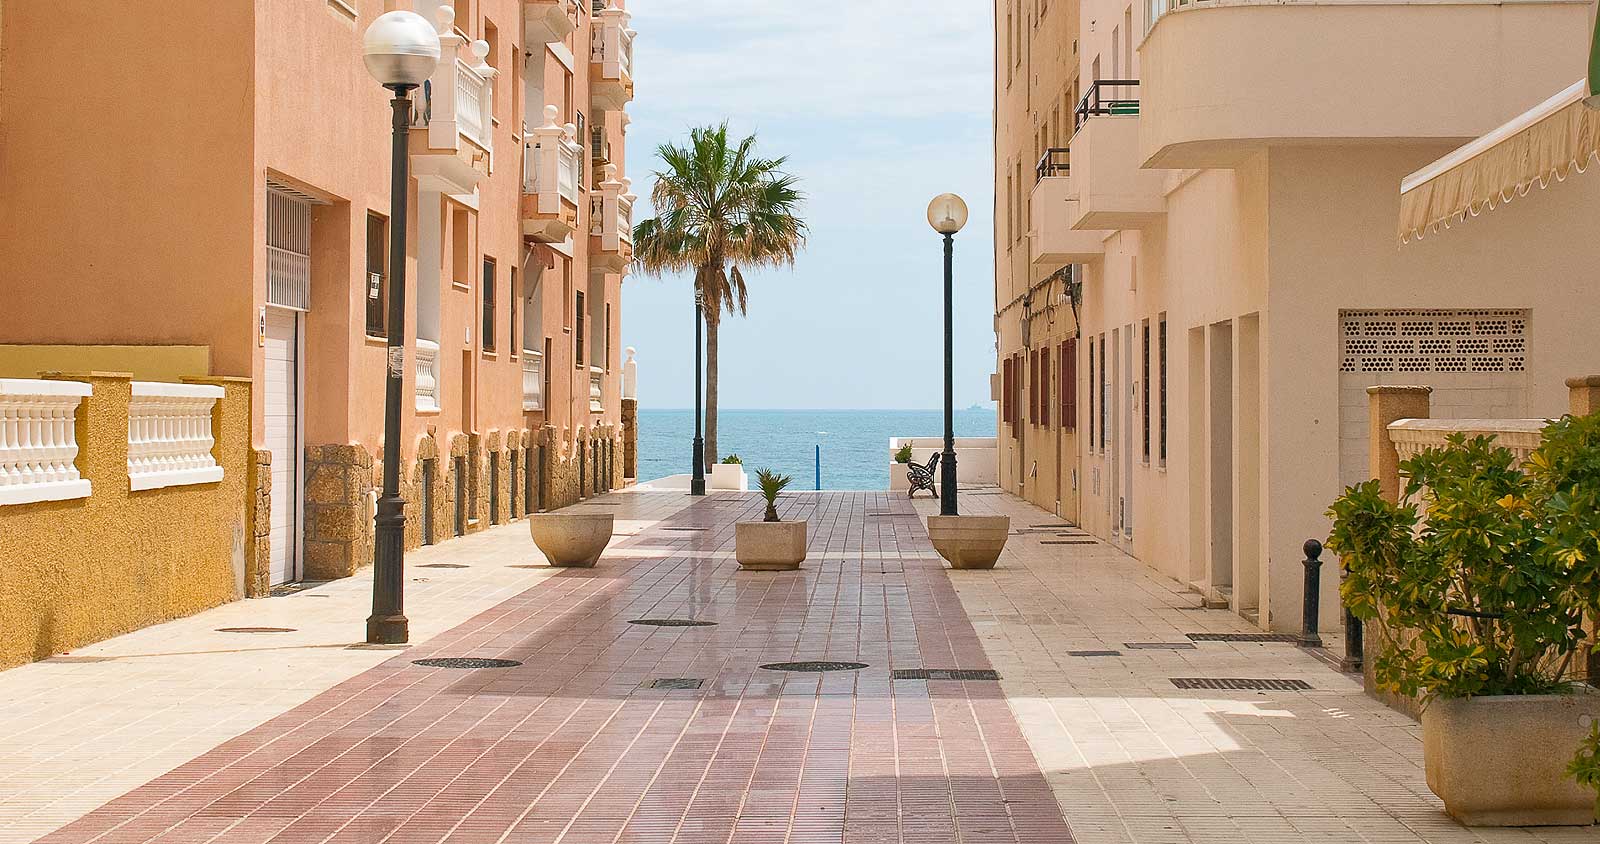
point(1068, 388)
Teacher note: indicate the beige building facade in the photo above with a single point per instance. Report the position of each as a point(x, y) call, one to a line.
point(1229, 208)
point(219, 178)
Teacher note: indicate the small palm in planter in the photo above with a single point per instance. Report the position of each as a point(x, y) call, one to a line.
point(1477, 600)
point(770, 544)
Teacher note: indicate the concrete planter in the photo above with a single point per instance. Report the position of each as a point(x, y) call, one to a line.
point(969, 542)
point(729, 476)
point(573, 540)
point(1501, 760)
point(897, 477)
point(770, 546)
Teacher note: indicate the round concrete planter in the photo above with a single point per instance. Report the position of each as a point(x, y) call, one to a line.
point(769, 546)
point(969, 542)
point(1501, 760)
point(573, 540)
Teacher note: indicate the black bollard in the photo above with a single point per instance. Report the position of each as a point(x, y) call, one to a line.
point(1353, 654)
point(1308, 624)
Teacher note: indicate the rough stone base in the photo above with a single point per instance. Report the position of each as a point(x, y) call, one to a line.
point(258, 567)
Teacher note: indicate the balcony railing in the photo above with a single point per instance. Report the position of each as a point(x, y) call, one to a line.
point(611, 213)
point(170, 436)
point(625, 215)
point(1107, 97)
point(457, 101)
point(1054, 162)
point(597, 402)
point(532, 380)
point(39, 441)
point(427, 375)
point(550, 20)
point(611, 47)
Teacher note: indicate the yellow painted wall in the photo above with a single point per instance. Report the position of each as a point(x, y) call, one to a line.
point(144, 363)
point(75, 572)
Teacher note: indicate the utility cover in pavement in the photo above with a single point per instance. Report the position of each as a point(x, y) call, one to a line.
point(1239, 684)
point(465, 662)
point(944, 674)
point(676, 683)
point(813, 666)
point(673, 622)
point(1243, 637)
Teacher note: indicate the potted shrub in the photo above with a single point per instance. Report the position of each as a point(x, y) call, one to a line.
point(1476, 586)
point(771, 544)
point(729, 474)
point(897, 467)
point(574, 540)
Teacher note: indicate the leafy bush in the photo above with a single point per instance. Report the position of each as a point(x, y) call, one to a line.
point(732, 459)
point(903, 454)
point(771, 484)
point(1487, 594)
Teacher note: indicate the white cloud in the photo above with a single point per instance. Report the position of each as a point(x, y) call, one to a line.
point(814, 58)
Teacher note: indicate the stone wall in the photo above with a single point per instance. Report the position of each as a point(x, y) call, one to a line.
point(258, 570)
point(630, 438)
point(339, 499)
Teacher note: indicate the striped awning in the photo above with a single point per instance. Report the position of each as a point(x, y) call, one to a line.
point(1543, 145)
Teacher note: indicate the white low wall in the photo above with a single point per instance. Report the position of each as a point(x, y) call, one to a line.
point(975, 459)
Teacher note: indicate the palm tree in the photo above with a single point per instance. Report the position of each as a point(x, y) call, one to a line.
point(720, 211)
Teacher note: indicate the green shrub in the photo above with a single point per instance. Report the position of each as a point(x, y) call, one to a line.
point(903, 454)
point(771, 484)
point(1487, 594)
point(732, 459)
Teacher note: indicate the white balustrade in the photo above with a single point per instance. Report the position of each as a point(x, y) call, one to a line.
point(611, 217)
point(551, 162)
point(625, 216)
point(597, 402)
point(460, 99)
point(630, 376)
point(39, 442)
point(170, 435)
point(569, 165)
point(612, 44)
point(532, 380)
point(472, 98)
point(427, 375)
point(1414, 436)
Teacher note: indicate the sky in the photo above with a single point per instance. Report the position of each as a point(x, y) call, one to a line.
point(879, 107)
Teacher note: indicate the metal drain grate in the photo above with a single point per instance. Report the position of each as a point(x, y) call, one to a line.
point(465, 662)
point(1054, 527)
point(944, 674)
point(673, 622)
point(676, 683)
point(255, 629)
point(1243, 637)
point(1094, 653)
point(445, 566)
point(686, 529)
point(1067, 542)
point(79, 660)
point(1240, 684)
point(1158, 646)
point(814, 665)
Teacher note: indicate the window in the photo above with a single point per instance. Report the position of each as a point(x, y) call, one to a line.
point(1162, 341)
point(1144, 388)
point(607, 342)
point(1044, 386)
point(377, 277)
point(577, 354)
point(460, 247)
point(488, 304)
point(1092, 374)
point(1011, 203)
point(566, 291)
point(583, 175)
point(491, 34)
point(545, 371)
point(512, 335)
point(1105, 393)
point(1006, 414)
point(1067, 385)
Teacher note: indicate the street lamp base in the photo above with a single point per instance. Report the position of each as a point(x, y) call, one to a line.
point(697, 486)
point(388, 630)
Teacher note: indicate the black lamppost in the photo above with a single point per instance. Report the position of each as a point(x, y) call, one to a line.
point(947, 213)
point(401, 50)
point(697, 481)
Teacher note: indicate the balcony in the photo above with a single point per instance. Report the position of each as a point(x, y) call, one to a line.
point(611, 60)
point(597, 401)
point(532, 380)
point(427, 388)
point(611, 224)
point(1054, 243)
point(452, 142)
point(1111, 190)
point(544, 21)
point(1227, 78)
point(550, 159)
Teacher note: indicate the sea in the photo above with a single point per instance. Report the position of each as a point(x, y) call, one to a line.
point(854, 443)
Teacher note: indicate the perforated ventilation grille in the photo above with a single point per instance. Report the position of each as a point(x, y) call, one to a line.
point(1421, 341)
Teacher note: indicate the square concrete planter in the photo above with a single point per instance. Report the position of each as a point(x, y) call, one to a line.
point(769, 546)
point(969, 542)
point(1501, 760)
point(897, 477)
point(729, 476)
point(572, 540)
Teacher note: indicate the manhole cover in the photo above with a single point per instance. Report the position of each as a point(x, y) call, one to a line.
point(1158, 646)
point(814, 666)
point(673, 622)
point(465, 662)
point(944, 674)
point(1094, 653)
point(444, 566)
point(1243, 637)
point(676, 683)
point(255, 629)
point(1240, 684)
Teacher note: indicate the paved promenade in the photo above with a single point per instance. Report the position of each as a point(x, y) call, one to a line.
point(610, 731)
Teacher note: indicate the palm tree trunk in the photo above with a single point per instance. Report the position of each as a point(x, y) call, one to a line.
point(712, 319)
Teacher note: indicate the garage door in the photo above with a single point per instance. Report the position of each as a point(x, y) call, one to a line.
point(1475, 361)
point(282, 439)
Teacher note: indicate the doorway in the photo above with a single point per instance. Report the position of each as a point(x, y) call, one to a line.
point(1219, 448)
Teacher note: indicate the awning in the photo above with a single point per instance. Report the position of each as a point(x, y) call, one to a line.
point(1544, 144)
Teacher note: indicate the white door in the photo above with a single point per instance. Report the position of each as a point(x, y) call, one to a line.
point(282, 421)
